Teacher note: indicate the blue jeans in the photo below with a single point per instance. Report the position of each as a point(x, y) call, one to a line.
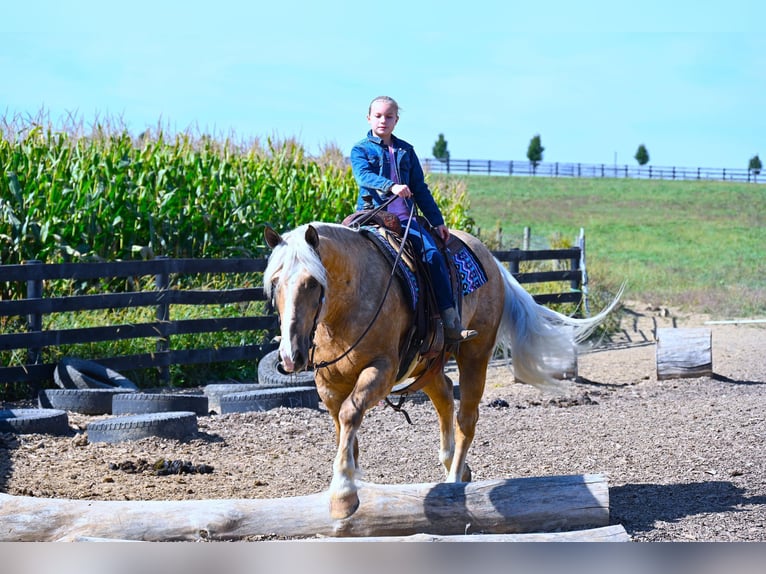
point(426, 248)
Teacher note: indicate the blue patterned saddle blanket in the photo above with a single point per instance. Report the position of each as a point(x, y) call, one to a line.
point(469, 270)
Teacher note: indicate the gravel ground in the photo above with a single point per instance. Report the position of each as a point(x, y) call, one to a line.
point(684, 458)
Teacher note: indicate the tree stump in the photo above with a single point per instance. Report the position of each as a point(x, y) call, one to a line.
point(684, 353)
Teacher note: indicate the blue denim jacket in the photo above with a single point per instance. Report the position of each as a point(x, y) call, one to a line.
point(370, 164)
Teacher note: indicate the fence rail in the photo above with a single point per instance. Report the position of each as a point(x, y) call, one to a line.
point(36, 305)
point(556, 169)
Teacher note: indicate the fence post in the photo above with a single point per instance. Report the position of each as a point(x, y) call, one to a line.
point(525, 240)
point(583, 273)
point(468, 165)
point(513, 266)
point(34, 320)
point(489, 167)
point(510, 168)
point(162, 283)
point(447, 164)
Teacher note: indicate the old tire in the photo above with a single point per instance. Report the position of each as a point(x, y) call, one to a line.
point(270, 373)
point(176, 425)
point(267, 399)
point(142, 403)
point(80, 374)
point(83, 401)
point(28, 421)
point(214, 392)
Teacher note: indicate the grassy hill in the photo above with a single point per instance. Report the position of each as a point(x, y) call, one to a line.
point(699, 245)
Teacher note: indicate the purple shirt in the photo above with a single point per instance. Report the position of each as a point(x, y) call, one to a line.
point(398, 206)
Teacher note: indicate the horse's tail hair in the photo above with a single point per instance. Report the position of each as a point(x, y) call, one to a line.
point(541, 341)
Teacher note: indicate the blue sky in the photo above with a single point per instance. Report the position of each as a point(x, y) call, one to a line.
point(594, 79)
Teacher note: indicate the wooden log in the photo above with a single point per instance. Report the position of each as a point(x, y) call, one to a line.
point(614, 533)
point(520, 505)
point(684, 353)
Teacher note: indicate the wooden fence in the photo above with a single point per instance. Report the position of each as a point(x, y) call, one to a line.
point(36, 305)
point(556, 169)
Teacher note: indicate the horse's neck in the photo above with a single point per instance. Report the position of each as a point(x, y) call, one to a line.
point(357, 277)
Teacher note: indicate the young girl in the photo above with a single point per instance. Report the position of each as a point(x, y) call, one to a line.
point(385, 165)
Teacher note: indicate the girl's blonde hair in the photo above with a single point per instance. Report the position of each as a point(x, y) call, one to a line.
point(387, 100)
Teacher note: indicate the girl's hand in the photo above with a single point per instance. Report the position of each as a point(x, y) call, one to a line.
point(443, 232)
point(401, 190)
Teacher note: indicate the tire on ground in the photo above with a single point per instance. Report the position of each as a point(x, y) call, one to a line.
point(176, 425)
point(270, 373)
point(267, 399)
point(83, 401)
point(28, 421)
point(73, 373)
point(214, 392)
point(142, 403)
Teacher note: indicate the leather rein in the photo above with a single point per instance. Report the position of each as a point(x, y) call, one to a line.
point(361, 222)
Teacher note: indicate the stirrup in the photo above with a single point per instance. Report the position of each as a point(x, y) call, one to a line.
point(461, 336)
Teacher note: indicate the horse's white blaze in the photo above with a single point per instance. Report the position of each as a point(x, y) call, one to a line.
point(286, 351)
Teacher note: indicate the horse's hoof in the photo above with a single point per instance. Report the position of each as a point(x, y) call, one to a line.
point(343, 506)
point(466, 474)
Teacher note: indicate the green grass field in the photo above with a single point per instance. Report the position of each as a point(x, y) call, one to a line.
point(700, 246)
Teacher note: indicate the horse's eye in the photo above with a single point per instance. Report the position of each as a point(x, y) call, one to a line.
point(312, 283)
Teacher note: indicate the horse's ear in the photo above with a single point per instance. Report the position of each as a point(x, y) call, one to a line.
point(272, 237)
point(312, 237)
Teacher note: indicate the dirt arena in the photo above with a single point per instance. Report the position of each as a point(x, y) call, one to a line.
point(684, 458)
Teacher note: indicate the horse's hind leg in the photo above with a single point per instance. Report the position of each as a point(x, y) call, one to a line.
point(439, 390)
point(473, 375)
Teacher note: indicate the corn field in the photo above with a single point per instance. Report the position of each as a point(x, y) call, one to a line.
point(71, 194)
point(67, 195)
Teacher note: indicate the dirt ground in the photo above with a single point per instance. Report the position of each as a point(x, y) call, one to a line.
point(684, 458)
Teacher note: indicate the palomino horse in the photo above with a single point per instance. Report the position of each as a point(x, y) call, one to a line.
point(330, 286)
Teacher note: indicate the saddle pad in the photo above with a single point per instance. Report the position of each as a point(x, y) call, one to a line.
point(468, 267)
point(406, 275)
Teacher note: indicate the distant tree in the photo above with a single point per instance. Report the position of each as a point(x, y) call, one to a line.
point(535, 152)
point(440, 149)
point(755, 165)
point(642, 156)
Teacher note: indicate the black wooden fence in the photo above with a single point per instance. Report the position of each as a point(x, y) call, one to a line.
point(36, 305)
point(556, 169)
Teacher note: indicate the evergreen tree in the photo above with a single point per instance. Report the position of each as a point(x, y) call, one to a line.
point(440, 149)
point(755, 166)
point(535, 152)
point(642, 156)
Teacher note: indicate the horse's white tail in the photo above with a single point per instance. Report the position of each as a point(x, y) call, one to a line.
point(541, 341)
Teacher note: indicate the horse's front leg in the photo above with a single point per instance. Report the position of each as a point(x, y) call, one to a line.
point(370, 389)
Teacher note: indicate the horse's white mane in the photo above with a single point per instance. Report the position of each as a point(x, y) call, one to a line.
point(292, 255)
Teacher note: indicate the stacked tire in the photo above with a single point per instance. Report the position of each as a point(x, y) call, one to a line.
point(87, 387)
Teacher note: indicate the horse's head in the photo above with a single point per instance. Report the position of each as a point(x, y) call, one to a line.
point(295, 280)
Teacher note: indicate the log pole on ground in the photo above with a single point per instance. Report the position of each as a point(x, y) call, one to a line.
point(509, 506)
